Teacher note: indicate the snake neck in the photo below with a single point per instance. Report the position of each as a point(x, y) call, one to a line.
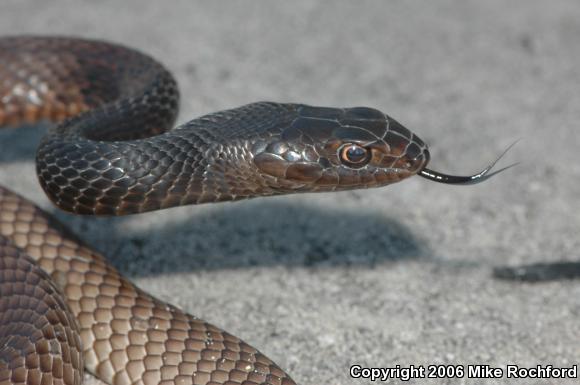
point(200, 162)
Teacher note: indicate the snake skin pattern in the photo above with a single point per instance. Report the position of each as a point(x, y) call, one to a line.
point(111, 154)
point(37, 330)
point(128, 337)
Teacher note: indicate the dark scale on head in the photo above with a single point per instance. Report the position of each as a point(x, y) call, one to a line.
point(350, 146)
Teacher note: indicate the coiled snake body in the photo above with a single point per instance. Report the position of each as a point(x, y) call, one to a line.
point(62, 306)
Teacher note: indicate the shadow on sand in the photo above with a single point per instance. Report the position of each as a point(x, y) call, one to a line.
point(539, 272)
point(268, 233)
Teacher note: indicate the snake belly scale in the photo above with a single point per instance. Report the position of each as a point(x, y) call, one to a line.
point(63, 307)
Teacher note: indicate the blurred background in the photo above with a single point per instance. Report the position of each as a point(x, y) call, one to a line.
point(415, 273)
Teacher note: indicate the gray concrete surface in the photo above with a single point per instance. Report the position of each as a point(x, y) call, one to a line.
point(400, 275)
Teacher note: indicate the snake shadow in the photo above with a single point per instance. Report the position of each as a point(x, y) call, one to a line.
point(20, 143)
point(539, 272)
point(269, 232)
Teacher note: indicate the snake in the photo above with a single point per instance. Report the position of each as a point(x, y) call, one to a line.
point(111, 150)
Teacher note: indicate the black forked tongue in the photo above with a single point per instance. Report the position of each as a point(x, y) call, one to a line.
point(467, 180)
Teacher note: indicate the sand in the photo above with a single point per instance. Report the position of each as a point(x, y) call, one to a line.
point(417, 273)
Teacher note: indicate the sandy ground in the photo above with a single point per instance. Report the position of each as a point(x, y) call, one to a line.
point(416, 273)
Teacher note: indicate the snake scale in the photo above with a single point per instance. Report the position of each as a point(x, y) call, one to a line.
point(63, 307)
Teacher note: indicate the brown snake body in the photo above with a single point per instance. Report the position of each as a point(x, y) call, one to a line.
point(62, 306)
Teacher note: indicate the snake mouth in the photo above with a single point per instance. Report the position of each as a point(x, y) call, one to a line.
point(469, 179)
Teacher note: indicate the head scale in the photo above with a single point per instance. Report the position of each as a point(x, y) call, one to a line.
point(329, 149)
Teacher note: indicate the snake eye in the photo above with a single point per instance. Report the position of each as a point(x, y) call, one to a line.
point(354, 155)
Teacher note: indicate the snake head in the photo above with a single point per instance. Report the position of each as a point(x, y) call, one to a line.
point(328, 149)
